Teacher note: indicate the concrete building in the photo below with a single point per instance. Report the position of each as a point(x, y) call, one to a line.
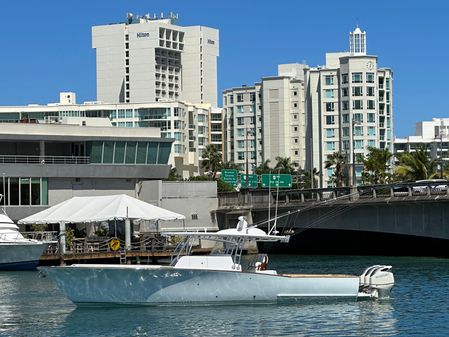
point(151, 59)
point(348, 104)
point(192, 126)
point(266, 120)
point(431, 135)
point(44, 164)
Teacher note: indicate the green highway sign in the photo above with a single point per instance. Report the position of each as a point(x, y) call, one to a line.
point(276, 180)
point(253, 180)
point(230, 177)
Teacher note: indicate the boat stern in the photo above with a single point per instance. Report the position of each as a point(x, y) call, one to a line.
point(376, 282)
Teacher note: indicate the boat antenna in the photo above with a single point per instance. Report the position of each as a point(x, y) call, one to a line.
point(269, 201)
point(277, 199)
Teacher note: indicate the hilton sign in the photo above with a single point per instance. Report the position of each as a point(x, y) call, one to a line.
point(143, 35)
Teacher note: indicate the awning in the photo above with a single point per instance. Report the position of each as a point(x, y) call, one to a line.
point(101, 208)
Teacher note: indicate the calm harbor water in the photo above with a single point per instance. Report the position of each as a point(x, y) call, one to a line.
point(33, 306)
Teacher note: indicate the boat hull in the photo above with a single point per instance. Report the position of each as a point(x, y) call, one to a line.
point(148, 285)
point(20, 256)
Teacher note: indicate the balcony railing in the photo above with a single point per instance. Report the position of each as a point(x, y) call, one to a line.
point(23, 159)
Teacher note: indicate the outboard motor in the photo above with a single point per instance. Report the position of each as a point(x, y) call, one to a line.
point(376, 281)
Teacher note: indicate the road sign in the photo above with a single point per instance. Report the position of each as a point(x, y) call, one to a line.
point(230, 176)
point(276, 180)
point(253, 180)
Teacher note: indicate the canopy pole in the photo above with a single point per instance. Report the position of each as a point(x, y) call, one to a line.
point(127, 232)
point(62, 248)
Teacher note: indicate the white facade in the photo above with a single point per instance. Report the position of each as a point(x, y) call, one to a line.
point(266, 120)
point(154, 59)
point(431, 135)
point(349, 107)
point(188, 124)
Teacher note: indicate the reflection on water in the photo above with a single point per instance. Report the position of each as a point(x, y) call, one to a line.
point(33, 306)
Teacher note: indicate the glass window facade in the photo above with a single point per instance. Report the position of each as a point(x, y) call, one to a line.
point(118, 152)
point(24, 191)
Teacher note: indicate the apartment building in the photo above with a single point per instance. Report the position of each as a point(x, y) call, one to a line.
point(264, 121)
point(348, 104)
point(153, 59)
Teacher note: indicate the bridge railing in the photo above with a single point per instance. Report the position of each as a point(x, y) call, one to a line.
point(263, 197)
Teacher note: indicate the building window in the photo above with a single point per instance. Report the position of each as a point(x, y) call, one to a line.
point(329, 93)
point(387, 84)
point(240, 109)
point(345, 105)
point(295, 105)
point(344, 78)
point(330, 106)
point(345, 132)
point(240, 144)
point(371, 131)
point(241, 132)
point(178, 148)
point(371, 104)
point(240, 155)
point(370, 91)
point(345, 118)
point(357, 91)
point(358, 131)
point(295, 93)
point(330, 120)
point(330, 146)
point(329, 80)
point(371, 118)
point(239, 98)
point(330, 133)
point(358, 144)
point(344, 92)
point(346, 145)
point(357, 104)
point(371, 143)
point(231, 99)
point(358, 117)
point(240, 121)
point(356, 77)
point(252, 97)
point(369, 77)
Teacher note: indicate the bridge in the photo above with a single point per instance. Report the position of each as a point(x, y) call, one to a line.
point(397, 219)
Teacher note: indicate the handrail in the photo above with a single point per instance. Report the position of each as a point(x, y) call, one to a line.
point(34, 159)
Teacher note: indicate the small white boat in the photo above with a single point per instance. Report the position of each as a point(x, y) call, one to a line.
point(218, 277)
point(17, 252)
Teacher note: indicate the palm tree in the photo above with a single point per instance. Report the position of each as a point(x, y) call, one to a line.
point(307, 178)
point(376, 166)
point(211, 159)
point(337, 161)
point(284, 165)
point(264, 168)
point(416, 165)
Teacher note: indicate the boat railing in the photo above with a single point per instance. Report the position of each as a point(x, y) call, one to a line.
point(109, 244)
point(42, 235)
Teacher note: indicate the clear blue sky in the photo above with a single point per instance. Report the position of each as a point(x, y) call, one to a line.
point(46, 45)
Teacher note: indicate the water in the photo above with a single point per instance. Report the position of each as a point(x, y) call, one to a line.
point(33, 306)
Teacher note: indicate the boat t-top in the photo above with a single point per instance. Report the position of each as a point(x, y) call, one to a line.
point(218, 277)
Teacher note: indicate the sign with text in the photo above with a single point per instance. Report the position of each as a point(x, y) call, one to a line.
point(276, 180)
point(230, 177)
point(249, 181)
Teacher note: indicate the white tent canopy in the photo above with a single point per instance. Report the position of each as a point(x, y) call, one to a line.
point(101, 208)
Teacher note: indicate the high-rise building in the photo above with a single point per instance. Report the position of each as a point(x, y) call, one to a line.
point(150, 59)
point(348, 104)
point(266, 120)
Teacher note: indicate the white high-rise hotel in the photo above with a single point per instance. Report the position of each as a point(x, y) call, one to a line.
point(151, 59)
point(348, 105)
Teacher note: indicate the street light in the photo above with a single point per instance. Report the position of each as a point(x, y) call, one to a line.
point(354, 179)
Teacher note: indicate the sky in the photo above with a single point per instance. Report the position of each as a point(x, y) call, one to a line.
point(46, 45)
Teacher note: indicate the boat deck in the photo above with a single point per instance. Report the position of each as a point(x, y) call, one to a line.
point(318, 275)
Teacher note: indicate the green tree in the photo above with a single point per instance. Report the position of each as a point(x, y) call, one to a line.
point(264, 168)
point(415, 166)
point(305, 180)
point(211, 159)
point(376, 169)
point(336, 161)
point(284, 165)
